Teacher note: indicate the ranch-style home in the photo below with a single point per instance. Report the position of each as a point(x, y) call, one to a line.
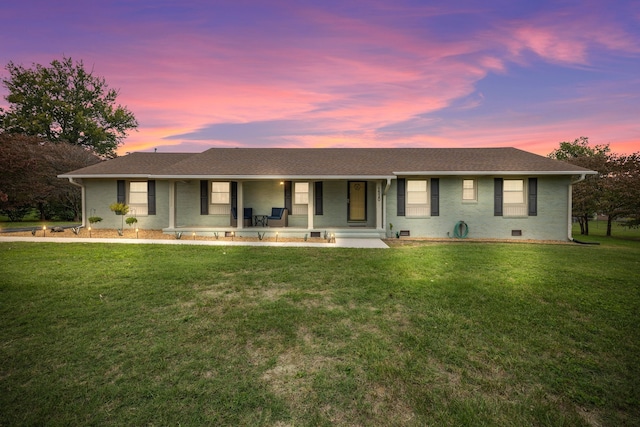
point(485, 193)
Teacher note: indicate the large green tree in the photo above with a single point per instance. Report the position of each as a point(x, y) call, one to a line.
point(620, 197)
point(613, 192)
point(587, 193)
point(63, 102)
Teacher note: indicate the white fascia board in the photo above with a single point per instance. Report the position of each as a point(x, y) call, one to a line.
point(275, 177)
point(107, 176)
point(478, 173)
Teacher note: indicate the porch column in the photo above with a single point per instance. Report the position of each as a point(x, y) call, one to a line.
point(172, 204)
point(379, 206)
point(240, 208)
point(311, 206)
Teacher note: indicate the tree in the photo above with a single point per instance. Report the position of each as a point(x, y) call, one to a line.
point(28, 176)
point(578, 148)
point(620, 195)
point(65, 103)
point(586, 194)
point(614, 191)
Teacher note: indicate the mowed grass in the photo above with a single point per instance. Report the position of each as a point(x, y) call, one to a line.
point(434, 334)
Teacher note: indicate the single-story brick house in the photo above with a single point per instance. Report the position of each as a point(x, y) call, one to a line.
point(489, 193)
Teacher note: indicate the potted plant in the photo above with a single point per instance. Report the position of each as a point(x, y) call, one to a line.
point(119, 209)
point(390, 233)
point(131, 220)
point(94, 219)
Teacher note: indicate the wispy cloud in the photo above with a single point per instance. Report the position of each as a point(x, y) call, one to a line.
point(354, 73)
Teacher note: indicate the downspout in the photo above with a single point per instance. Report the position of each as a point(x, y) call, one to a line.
point(570, 205)
point(82, 198)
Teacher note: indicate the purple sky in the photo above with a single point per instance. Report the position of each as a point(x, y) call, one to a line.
point(248, 73)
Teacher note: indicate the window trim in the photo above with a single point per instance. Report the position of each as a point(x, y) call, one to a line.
point(138, 209)
point(219, 208)
point(228, 193)
point(300, 207)
point(474, 189)
point(418, 210)
point(515, 209)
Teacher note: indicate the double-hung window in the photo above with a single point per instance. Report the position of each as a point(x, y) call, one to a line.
point(138, 198)
point(514, 197)
point(469, 190)
point(220, 198)
point(418, 198)
point(300, 198)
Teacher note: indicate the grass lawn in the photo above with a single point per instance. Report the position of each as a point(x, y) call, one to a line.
point(435, 334)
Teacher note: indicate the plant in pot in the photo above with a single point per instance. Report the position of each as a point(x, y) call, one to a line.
point(130, 221)
point(119, 209)
point(390, 232)
point(94, 219)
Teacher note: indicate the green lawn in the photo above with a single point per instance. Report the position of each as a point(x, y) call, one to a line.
point(439, 334)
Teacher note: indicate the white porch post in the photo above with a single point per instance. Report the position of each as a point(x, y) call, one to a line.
point(240, 209)
point(311, 206)
point(385, 195)
point(379, 206)
point(172, 204)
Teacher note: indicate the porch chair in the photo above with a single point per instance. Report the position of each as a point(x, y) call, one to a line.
point(278, 217)
point(247, 217)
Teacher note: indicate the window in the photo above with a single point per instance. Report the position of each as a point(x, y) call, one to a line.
point(220, 198)
point(417, 198)
point(220, 193)
point(138, 198)
point(300, 198)
point(514, 197)
point(469, 190)
point(301, 193)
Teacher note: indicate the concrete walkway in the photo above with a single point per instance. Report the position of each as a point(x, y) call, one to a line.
point(340, 242)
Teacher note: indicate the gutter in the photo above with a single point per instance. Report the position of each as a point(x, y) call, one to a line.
point(386, 188)
point(82, 198)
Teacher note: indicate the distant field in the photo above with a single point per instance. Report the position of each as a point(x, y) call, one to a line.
point(436, 334)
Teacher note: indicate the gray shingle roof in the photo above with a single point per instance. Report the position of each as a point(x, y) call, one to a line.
point(325, 162)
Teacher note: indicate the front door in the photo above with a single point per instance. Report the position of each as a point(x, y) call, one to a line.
point(357, 201)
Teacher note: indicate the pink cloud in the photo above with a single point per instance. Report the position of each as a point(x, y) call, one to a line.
point(354, 75)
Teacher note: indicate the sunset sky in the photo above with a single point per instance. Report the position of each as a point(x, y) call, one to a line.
point(340, 73)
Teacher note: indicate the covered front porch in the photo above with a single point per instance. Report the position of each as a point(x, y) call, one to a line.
point(314, 208)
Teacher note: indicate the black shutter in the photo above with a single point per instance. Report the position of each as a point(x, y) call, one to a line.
point(497, 196)
point(400, 196)
point(287, 196)
point(234, 196)
point(151, 197)
point(533, 196)
point(204, 197)
point(317, 194)
point(121, 198)
point(435, 196)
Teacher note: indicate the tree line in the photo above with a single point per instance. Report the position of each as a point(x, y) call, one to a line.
point(613, 192)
